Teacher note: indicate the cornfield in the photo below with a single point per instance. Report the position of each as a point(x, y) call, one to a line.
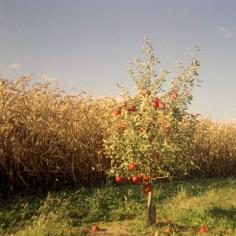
point(215, 149)
point(51, 139)
point(48, 138)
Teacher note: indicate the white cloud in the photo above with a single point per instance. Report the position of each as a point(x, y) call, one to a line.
point(14, 65)
point(227, 32)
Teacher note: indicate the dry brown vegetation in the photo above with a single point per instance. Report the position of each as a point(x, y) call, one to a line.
point(49, 138)
point(215, 149)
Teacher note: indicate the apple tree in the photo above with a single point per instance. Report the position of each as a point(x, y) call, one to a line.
point(151, 132)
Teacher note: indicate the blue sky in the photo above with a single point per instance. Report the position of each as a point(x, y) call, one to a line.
point(89, 44)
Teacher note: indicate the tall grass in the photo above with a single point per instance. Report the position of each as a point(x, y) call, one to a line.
point(49, 138)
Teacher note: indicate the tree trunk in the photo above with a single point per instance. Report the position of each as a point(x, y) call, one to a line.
point(151, 210)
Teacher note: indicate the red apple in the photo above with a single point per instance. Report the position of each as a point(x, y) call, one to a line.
point(202, 229)
point(156, 104)
point(119, 179)
point(146, 178)
point(140, 176)
point(147, 188)
point(132, 166)
point(156, 100)
point(94, 228)
point(135, 179)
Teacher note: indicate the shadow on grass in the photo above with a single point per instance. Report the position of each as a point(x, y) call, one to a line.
point(173, 225)
point(192, 187)
point(165, 227)
point(229, 213)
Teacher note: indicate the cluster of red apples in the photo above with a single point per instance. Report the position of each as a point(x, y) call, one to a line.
point(135, 179)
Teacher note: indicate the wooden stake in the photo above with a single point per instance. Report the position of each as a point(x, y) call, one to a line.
point(151, 210)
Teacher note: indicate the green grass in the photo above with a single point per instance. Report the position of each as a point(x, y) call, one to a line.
point(120, 210)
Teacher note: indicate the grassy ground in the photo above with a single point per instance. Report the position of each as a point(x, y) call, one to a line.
point(120, 210)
